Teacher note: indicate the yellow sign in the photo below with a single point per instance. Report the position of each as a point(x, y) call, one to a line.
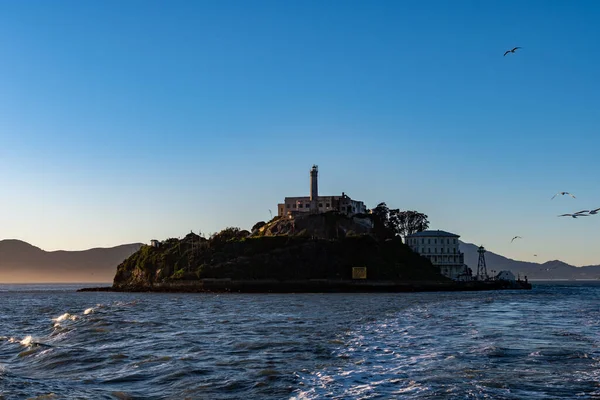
point(359, 272)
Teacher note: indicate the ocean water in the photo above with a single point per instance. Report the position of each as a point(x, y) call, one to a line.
point(538, 344)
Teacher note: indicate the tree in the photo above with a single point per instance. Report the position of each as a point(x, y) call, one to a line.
point(409, 222)
point(391, 223)
point(227, 234)
point(381, 223)
point(381, 212)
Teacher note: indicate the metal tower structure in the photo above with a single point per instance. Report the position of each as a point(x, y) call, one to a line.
point(481, 268)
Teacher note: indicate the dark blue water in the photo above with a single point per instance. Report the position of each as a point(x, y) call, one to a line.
point(539, 344)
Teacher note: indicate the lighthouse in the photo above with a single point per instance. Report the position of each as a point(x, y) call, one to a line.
point(314, 189)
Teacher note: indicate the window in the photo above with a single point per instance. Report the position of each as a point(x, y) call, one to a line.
point(454, 250)
point(428, 241)
point(294, 206)
point(434, 241)
point(327, 205)
point(422, 250)
point(320, 205)
point(454, 241)
point(447, 241)
point(422, 241)
point(442, 250)
point(429, 250)
point(287, 206)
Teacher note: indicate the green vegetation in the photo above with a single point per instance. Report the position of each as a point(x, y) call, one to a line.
point(322, 246)
point(391, 223)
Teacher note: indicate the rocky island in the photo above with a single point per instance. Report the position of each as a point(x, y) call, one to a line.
point(325, 252)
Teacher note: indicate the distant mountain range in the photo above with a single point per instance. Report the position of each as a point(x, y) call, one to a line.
point(549, 270)
point(22, 262)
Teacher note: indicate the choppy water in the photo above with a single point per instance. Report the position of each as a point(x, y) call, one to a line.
point(539, 344)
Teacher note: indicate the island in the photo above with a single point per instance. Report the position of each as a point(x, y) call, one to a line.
point(309, 252)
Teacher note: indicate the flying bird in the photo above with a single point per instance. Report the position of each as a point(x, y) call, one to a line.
point(511, 51)
point(573, 215)
point(562, 194)
point(582, 212)
point(516, 237)
point(592, 212)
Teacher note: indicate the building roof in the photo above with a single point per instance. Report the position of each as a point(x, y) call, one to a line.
point(335, 196)
point(437, 233)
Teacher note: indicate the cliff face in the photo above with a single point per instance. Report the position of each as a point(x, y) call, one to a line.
point(329, 225)
point(311, 247)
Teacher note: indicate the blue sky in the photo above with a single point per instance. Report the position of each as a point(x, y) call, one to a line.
point(123, 121)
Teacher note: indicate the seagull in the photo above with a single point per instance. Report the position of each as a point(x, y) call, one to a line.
point(592, 212)
point(511, 51)
point(562, 194)
point(573, 215)
point(535, 255)
point(582, 212)
point(516, 237)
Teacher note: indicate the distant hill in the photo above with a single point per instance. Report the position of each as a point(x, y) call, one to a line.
point(549, 270)
point(22, 262)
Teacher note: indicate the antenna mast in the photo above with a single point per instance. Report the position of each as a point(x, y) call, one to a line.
point(481, 267)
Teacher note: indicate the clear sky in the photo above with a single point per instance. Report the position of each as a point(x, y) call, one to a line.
point(123, 121)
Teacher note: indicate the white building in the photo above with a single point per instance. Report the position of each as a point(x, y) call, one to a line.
point(319, 204)
point(506, 276)
point(442, 249)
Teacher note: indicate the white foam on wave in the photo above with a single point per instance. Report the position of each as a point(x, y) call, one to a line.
point(64, 317)
point(126, 303)
point(27, 341)
point(92, 309)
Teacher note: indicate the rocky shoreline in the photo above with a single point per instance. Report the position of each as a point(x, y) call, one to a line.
point(313, 286)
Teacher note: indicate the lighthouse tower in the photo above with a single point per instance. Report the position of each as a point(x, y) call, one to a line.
point(314, 189)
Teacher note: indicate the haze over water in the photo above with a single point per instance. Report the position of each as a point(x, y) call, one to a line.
point(537, 344)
